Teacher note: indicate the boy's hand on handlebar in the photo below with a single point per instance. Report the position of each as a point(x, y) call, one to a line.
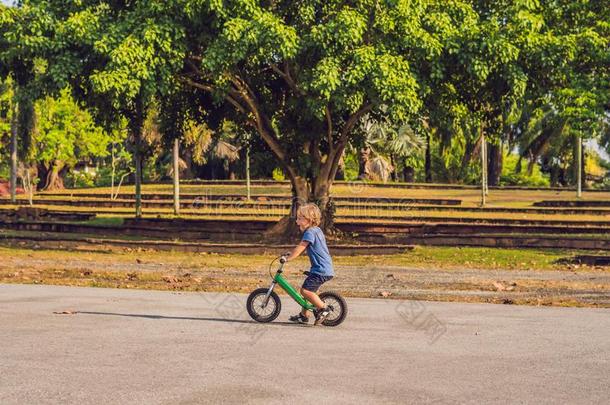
point(284, 257)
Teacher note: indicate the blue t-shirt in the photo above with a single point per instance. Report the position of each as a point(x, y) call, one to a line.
point(321, 263)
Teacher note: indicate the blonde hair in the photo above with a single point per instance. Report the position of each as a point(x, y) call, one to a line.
point(310, 212)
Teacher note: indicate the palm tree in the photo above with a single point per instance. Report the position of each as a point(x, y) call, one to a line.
point(384, 146)
point(545, 137)
point(204, 145)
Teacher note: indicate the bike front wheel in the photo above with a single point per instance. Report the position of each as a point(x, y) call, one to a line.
point(261, 311)
point(337, 306)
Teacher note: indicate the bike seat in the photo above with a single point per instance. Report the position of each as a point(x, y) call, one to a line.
point(306, 273)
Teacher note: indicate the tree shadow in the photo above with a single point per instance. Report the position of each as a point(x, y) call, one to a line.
point(186, 318)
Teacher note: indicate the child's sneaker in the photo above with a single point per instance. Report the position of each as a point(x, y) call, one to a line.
point(300, 318)
point(321, 315)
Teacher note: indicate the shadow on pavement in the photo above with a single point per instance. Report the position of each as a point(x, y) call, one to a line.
point(188, 318)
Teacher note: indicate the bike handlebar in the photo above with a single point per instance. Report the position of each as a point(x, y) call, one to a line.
point(282, 260)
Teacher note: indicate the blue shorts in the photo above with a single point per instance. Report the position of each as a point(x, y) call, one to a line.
point(314, 281)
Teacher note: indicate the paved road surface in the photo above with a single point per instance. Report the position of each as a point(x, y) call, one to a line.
point(160, 348)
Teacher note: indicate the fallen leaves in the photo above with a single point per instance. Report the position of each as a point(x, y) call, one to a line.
point(499, 286)
point(171, 279)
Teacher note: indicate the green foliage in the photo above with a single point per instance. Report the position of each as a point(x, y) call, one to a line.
point(66, 133)
point(6, 114)
point(80, 179)
point(103, 177)
point(351, 166)
point(533, 74)
point(278, 174)
point(6, 106)
point(597, 170)
point(511, 176)
point(302, 74)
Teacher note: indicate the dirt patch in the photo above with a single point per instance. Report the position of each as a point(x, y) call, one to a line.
point(583, 286)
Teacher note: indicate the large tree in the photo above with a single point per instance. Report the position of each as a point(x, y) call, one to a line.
point(64, 136)
point(303, 74)
point(568, 92)
point(21, 41)
point(115, 56)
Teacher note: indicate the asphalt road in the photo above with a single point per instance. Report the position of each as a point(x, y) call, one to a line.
point(126, 346)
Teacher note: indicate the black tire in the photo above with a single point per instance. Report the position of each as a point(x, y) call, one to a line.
point(339, 310)
point(255, 298)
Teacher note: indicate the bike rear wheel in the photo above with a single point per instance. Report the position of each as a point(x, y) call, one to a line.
point(258, 310)
point(337, 306)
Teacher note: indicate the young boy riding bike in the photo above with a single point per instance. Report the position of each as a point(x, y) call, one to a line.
point(308, 220)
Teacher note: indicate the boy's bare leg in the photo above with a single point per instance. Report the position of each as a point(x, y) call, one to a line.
point(313, 298)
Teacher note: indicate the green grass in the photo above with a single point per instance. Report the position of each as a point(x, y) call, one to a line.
point(104, 221)
point(468, 257)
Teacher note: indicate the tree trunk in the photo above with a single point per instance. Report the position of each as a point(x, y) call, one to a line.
point(554, 175)
point(583, 166)
point(231, 171)
point(321, 197)
point(340, 170)
point(54, 179)
point(14, 131)
point(472, 151)
point(286, 228)
point(578, 163)
point(176, 175)
point(363, 163)
point(340, 174)
point(136, 126)
point(408, 173)
point(113, 171)
point(394, 172)
point(29, 182)
point(137, 159)
point(248, 172)
point(428, 162)
point(495, 163)
point(314, 190)
point(564, 178)
point(187, 157)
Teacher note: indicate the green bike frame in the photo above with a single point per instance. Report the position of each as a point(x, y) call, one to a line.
point(279, 279)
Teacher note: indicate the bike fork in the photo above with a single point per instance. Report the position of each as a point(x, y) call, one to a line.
point(271, 287)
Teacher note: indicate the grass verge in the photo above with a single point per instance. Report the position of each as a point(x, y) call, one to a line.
point(510, 276)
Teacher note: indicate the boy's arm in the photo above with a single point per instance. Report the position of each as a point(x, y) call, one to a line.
point(297, 250)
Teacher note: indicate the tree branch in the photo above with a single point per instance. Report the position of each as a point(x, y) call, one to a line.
point(329, 125)
point(334, 155)
point(193, 66)
point(351, 121)
point(211, 89)
point(262, 124)
point(285, 74)
point(195, 84)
